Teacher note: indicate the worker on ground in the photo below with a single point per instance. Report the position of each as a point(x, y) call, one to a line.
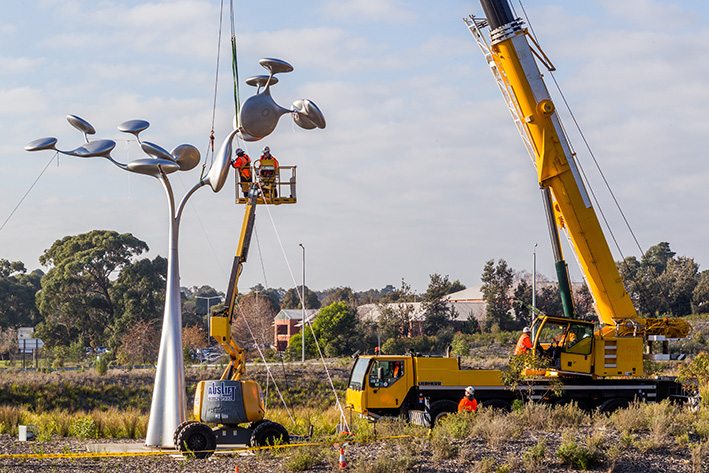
point(524, 344)
point(243, 164)
point(468, 403)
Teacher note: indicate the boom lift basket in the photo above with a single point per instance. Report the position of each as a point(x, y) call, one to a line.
point(277, 183)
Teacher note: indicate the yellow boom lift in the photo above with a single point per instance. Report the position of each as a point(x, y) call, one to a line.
point(231, 400)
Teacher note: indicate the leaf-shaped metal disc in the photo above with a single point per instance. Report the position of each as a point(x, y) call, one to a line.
point(151, 166)
point(311, 111)
point(133, 126)
point(42, 143)
point(275, 66)
point(156, 151)
point(94, 149)
point(186, 156)
point(261, 81)
point(80, 124)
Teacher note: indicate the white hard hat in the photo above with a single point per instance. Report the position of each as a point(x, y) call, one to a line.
point(470, 390)
point(526, 330)
point(266, 149)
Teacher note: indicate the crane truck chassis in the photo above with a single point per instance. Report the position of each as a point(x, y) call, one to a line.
point(422, 389)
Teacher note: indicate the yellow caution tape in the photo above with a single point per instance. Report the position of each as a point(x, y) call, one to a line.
point(175, 452)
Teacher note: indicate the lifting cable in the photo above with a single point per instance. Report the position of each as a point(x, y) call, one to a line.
point(234, 65)
point(268, 367)
point(28, 190)
point(302, 304)
point(593, 157)
point(210, 145)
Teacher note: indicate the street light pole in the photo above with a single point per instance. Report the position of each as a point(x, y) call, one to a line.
point(302, 304)
point(209, 299)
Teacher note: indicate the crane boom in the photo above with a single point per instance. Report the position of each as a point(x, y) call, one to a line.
point(555, 163)
point(513, 61)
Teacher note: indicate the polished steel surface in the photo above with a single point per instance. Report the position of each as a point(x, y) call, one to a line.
point(216, 177)
point(156, 151)
point(307, 115)
point(187, 156)
point(133, 126)
point(41, 144)
point(81, 124)
point(275, 66)
point(260, 114)
point(92, 149)
point(153, 166)
point(261, 81)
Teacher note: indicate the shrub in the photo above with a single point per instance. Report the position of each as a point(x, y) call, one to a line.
point(385, 463)
point(302, 459)
point(533, 458)
point(631, 419)
point(9, 419)
point(442, 448)
point(84, 428)
point(102, 365)
point(457, 426)
point(496, 427)
point(572, 454)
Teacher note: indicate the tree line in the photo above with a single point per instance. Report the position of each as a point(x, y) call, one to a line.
point(97, 292)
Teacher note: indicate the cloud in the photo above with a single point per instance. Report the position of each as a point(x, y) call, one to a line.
point(21, 100)
point(386, 11)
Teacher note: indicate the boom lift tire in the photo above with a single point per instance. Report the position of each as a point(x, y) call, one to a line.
point(178, 430)
point(197, 439)
point(269, 433)
point(441, 408)
point(497, 404)
point(613, 404)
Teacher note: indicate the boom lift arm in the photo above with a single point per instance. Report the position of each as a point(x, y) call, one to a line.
point(221, 323)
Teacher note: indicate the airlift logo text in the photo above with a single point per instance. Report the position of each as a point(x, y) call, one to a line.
point(221, 392)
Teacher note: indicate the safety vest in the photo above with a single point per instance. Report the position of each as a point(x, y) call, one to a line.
point(242, 163)
point(524, 344)
point(465, 404)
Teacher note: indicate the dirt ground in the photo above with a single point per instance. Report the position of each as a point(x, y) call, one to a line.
point(390, 456)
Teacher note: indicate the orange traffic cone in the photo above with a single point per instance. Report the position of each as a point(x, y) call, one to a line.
point(343, 460)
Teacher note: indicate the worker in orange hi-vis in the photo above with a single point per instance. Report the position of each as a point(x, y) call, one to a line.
point(524, 344)
point(468, 403)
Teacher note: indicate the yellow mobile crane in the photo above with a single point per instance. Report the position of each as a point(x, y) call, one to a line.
point(231, 400)
point(601, 368)
point(617, 348)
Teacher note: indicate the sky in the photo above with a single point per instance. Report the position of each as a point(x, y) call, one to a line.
point(420, 169)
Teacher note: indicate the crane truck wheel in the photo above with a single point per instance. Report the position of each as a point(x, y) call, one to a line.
point(197, 439)
point(497, 404)
point(613, 405)
point(178, 430)
point(269, 433)
point(441, 408)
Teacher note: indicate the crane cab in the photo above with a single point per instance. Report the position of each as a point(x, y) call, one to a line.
point(275, 183)
point(567, 343)
point(574, 348)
